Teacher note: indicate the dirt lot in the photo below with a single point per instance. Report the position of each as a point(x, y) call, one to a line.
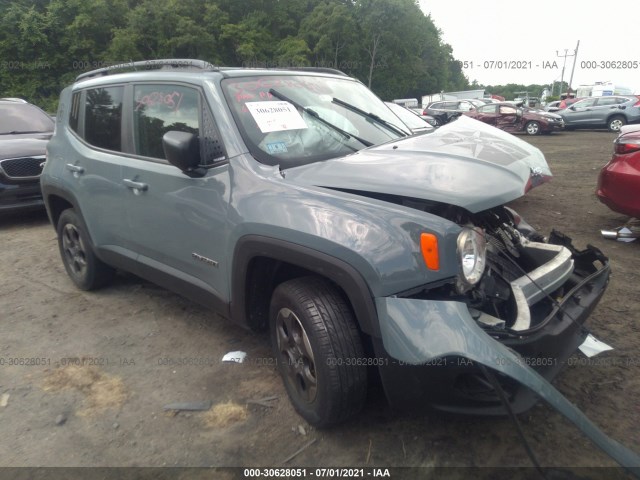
point(131, 336)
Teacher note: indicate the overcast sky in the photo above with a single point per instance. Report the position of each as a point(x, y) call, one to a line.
point(481, 31)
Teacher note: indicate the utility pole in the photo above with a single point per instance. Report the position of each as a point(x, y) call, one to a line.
point(575, 57)
point(566, 54)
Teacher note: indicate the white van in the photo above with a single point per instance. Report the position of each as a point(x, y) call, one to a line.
point(602, 89)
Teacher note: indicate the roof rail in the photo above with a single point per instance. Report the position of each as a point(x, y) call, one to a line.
point(170, 63)
point(334, 71)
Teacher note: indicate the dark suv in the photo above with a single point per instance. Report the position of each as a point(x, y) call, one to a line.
point(24, 133)
point(295, 201)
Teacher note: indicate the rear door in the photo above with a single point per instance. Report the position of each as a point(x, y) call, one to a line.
point(178, 223)
point(607, 106)
point(93, 167)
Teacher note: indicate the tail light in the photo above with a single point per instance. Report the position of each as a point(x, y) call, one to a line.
point(637, 104)
point(624, 145)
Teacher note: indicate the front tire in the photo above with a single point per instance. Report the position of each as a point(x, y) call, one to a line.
point(532, 128)
point(616, 123)
point(318, 349)
point(86, 270)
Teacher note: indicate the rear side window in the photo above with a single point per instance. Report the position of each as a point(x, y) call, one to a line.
point(603, 101)
point(158, 109)
point(103, 117)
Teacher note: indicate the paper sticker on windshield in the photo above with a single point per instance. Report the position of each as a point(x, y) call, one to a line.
point(275, 116)
point(277, 147)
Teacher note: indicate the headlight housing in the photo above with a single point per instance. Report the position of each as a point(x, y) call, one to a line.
point(472, 252)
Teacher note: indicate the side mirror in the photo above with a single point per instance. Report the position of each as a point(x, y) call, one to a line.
point(183, 151)
point(572, 108)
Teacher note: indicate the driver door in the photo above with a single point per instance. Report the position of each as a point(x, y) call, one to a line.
point(177, 223)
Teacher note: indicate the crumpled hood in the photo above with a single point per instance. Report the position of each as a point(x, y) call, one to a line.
point(465, 163)
point(14, 146)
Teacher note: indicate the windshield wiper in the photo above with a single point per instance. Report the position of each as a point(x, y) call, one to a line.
point(372, 116)
point(314, 114)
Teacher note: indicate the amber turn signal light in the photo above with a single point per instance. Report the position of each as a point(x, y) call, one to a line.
point(429, 248)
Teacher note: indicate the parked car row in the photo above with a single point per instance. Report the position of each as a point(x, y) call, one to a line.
point(611, 112)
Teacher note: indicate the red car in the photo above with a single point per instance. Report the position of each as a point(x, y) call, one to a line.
point(508, 117)
point(619, 180)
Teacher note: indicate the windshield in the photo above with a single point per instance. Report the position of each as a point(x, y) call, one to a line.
point(23, 118)
point(413, 121)
point(292, 120)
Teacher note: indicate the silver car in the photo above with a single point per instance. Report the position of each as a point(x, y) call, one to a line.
point(610, 112)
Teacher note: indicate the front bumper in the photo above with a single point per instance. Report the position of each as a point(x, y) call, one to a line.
point(429, 350)
point(20, 197)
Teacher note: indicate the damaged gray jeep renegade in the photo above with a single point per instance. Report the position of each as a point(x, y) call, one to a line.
point(295, 201)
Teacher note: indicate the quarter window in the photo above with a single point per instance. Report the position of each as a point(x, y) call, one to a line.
point(74, 115)
point(103, 117)
point(158, 109)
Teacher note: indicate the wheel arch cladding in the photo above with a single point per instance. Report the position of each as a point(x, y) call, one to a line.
point(343, 275)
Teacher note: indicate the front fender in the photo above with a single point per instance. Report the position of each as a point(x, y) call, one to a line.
point(379, 239)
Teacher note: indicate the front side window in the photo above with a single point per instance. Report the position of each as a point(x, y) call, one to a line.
point(587, 102)
point(158, 109)
point(291, 120)
point(103, 118)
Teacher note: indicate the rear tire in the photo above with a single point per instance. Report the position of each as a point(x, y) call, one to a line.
point(615, 123)
point(318, 350)
point(86, 270)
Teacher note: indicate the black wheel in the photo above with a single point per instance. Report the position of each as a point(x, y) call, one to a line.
point(319, 351)
point(532, 128)
point(84, 268)
point(615, 123)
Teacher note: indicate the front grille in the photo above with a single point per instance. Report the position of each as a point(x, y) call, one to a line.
point(23, 167)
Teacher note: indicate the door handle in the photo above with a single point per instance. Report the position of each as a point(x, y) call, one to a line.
point(137, 187)
point(76, 169)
